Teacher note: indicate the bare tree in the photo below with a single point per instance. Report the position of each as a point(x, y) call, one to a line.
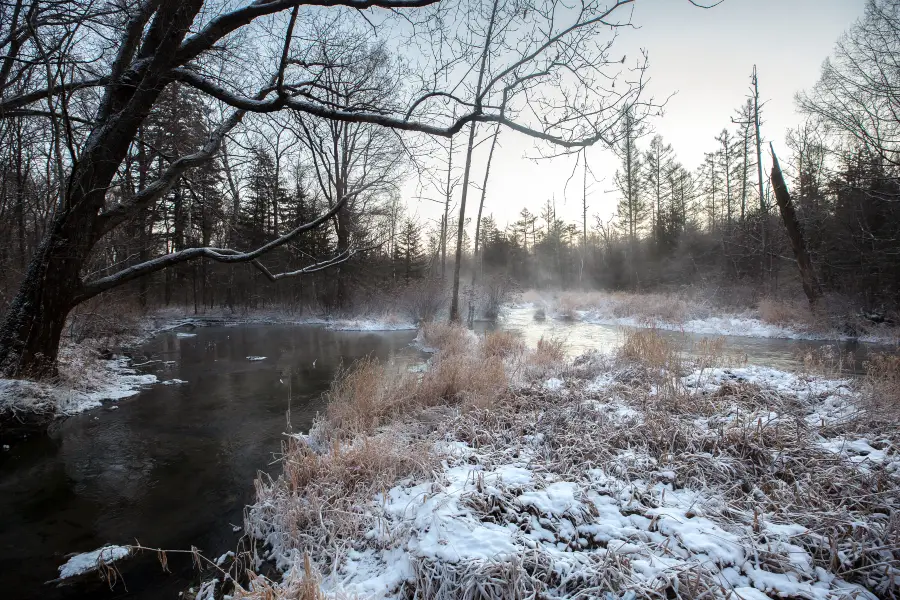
point(858, 93)
point(355, 164)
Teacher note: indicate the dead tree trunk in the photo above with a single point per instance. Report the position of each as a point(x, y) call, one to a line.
point(795, 233)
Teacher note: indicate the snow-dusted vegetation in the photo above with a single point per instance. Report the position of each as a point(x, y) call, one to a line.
point(85, 382)
point(698, 311)
point(635, 476)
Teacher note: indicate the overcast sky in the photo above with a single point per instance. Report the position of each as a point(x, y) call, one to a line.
point(705, 57)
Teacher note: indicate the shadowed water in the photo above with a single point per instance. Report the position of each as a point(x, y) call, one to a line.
point(173, 466)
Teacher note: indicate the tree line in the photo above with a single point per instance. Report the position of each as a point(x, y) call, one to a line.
point(719, 224)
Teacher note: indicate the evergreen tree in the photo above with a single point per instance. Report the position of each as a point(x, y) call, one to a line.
point(632, 209)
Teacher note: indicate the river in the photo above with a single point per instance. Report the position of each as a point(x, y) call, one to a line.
point(173, 466)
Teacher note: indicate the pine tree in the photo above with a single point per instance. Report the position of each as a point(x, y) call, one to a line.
point(408, 251)
point(658, 161)
point(632, 209)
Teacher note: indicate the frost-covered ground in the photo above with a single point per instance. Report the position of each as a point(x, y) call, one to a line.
point(697, 315)
point(605, 478)
point(84, 385)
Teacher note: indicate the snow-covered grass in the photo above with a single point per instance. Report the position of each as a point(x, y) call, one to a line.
point(693, 312)
point(636, 476)
point(85, 381)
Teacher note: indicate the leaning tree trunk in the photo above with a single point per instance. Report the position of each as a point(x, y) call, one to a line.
point(795, 233)
point(33, 325)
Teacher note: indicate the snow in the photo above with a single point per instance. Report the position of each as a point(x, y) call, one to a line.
point(504, 504)
point(207, 590)
point(746, 324)
point(570, 524)
point(861, 453)
point(185, 335)
point(256, 358)
point(737, 325)
point(746, 593)
point(370, 325)
point(90, 561)
point(554, 384)
point(556, 499)
point(107, 380)
point(124, 382)
point(173, 382)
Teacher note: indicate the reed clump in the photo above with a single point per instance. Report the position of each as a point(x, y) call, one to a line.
point(882, 383)
point(647, 348)
point(502, 344)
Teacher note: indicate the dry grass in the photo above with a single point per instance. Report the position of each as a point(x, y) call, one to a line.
point(363, 396)
point(827, 361)
point(502, 344)
point(446, 338)
point(748, 467)
point(305, 586)
point(649, 348)
point(757, 470)
point(369, 439)
point(464, 371)
point(319, 502)
point(785, 313)
point(547, 353)
point(882, 384)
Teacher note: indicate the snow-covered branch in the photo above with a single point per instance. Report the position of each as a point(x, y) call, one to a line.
point(223, 255)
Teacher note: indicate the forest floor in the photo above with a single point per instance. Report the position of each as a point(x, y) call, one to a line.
point(507, 472)
point(701, 311)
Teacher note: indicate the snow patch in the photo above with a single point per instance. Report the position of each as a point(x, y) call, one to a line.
point(108, 380)
point(91, 561)
point(370, 325)
point(554, 384)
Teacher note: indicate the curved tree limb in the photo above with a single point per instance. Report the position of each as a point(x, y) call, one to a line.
point(223, 255)
point(278, 103)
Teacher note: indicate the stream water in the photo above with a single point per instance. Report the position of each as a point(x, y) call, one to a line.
point(173, 466)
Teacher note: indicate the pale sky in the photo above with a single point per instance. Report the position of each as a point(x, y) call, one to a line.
point(706, 56)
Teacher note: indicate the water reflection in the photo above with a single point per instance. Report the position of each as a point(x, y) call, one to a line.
point(774, 352)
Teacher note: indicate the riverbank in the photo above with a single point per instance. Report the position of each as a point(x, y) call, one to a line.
point(86, 380)
point(504, 472)
point(700, 311)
